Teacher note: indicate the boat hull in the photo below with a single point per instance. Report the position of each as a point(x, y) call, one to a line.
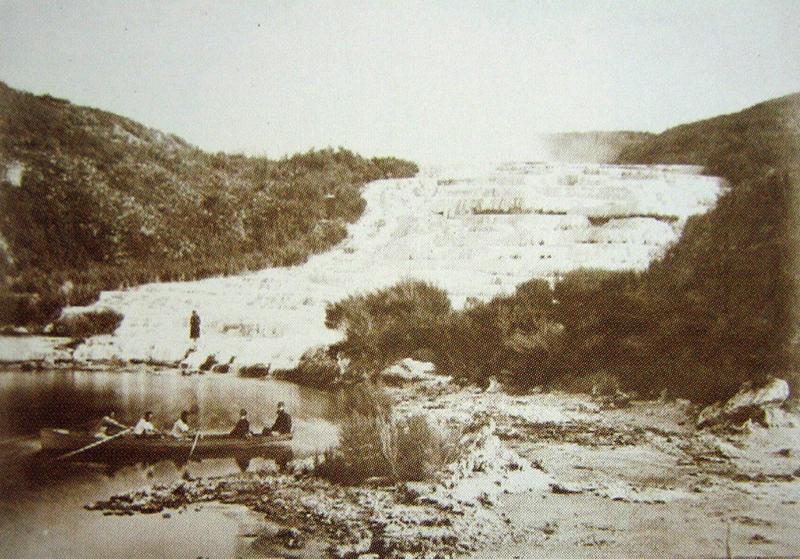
point(63, 440)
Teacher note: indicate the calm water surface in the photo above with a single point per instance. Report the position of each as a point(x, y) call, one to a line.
point(41, 508)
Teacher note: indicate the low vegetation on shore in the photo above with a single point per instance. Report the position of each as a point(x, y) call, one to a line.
point(374, 443)
point(388, 449)
point(718, 309)
point(94, 201)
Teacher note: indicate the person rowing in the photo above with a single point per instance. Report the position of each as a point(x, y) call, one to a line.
point(283, 422)
point(144, 426)
point(181, 429)
point(109, 425)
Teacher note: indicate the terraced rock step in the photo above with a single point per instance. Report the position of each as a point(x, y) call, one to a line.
point(475, 232)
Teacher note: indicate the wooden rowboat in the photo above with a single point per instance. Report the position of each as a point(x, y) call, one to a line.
point(64, 440)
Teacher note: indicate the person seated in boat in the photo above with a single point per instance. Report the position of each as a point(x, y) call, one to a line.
point(242, 427)
point(181, 429)
point(108, 426)
point(283, 422)
point(145, 425)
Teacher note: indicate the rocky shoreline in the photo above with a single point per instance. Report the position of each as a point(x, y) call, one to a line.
point(545, 452)
point(352, 521)
point(41, 352)
point(46, 353)
point(453, 515)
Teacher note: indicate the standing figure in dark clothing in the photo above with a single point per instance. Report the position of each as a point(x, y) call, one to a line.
point(242, 427)
point(283, 422)
point(194, 326)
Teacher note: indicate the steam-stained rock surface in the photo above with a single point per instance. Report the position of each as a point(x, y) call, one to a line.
point(473, 232)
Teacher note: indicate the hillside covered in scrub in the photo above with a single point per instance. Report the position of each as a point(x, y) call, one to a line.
point(717, 309)
point(722, 305)
point(91, 201)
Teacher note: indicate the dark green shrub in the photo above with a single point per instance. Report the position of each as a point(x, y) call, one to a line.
point(600, 383)
point(379, 447)
point(29, 308)
point(391, 167)
point(258, 370)
point(389, 324)
point(422, 451)
point(92, 323)
point(363, 397)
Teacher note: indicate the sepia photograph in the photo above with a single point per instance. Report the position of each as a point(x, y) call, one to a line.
point(350, 279)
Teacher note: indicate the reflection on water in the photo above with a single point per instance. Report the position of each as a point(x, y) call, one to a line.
point(41, 503)
point(29, 401)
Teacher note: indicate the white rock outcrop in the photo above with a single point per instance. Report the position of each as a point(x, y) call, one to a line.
point(411, 370)
point(487, 469)
point(758, 404)
point(475, 233)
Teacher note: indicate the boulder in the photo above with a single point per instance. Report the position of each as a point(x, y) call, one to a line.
point(493, 386)
point(302, 466)
point(778, 417)
point(756, 404)
point(223, 367)
point(411, 370)
point(291, 538)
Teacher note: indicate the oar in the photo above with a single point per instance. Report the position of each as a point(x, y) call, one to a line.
point(18, 439)
point(87, 423)
point(94, 444)
point(194, 444)
point(36, 436)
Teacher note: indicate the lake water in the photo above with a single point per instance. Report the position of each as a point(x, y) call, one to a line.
point(41, 508)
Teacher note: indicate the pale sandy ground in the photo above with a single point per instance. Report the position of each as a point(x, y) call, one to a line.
point(641, 481)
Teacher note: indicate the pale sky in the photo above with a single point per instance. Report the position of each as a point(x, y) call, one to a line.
point(433, 81)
